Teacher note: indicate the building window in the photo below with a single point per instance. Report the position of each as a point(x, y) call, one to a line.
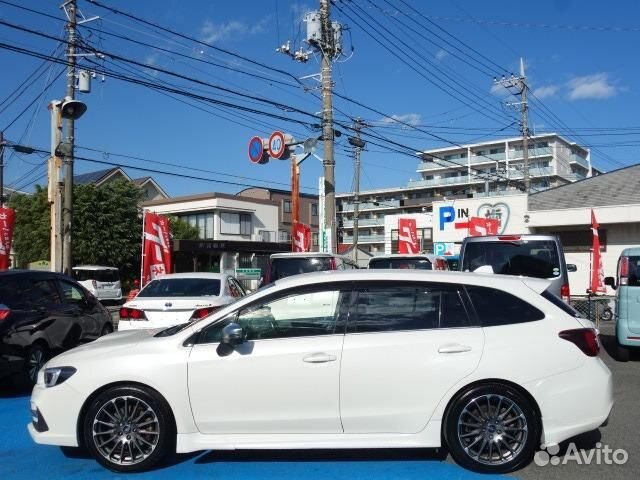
point(235, 223)
point(286, 206)
point(285, 236)
point(315, 239)
point(314, 209)
point(203, 222)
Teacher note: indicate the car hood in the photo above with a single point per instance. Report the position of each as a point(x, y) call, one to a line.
point(103, 347)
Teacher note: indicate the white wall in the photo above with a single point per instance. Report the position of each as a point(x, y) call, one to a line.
point(423, 220)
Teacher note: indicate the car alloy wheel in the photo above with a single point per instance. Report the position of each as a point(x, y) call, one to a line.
point(492, 429)
point(36, 358)
point(126, 430)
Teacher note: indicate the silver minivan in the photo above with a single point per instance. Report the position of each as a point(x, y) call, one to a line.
point(103, 282)
point(539, 256)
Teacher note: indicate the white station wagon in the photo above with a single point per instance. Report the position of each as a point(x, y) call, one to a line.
point(490, 366)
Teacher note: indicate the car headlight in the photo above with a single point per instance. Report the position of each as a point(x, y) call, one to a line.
point(56, 375)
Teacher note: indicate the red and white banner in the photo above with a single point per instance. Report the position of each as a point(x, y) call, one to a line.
point(408, 236)
point(7, 222)
point(596, 285)
point(480, 226)
point(156, 247)
point(301, 241)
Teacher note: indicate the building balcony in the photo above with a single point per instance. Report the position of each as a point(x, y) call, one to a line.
point(381, 205)
point(438, 164)
point(533, 152)
point(376, 238)
point(577, 159)
point(364, 222)
point(481, 177)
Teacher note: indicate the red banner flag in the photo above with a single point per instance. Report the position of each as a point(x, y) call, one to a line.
point(156, 247)
point(301, 241)
point(408, 236)
point(480, 226)
point(597, 271)
point(7, 222)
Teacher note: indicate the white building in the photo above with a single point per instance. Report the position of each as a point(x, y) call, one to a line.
point(476, 170)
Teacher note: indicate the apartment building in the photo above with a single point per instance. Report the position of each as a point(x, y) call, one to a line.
point(492, 168)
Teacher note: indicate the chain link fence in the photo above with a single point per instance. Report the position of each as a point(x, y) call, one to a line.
point(597, 309)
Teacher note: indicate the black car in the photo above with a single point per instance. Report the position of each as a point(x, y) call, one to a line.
point(41, 315)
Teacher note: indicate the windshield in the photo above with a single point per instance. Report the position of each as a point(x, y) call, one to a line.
point(285, 267)
point(534, 258)
point(109, 276)
point(406, 263)
point(182, 287)
point(633, 280)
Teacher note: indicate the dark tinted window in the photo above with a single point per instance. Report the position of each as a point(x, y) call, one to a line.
point(285, 267)
point(181, 287)
point(12, 291)
point(496, 307)
point(408, 307)
point(535, 258)
point(406, 263)
point(558, 302)
point(634, 272)
point(42, 293)
point(108, 276)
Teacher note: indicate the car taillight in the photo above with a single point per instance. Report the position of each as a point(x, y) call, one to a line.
point(623, 271)
point(509, 238)
point(4, 312)
point(132, 314)
point(565, 292)
point(95, 284)
point(202, 312)
point(586, 339)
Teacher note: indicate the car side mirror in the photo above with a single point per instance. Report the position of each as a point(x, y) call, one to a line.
point(571, 267)
point(232, 334)
point(610, 281)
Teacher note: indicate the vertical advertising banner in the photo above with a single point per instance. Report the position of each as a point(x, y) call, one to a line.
point(156, 250)
point(7, 222)
point(408, 236)
point(597, 270)
point(301, 241)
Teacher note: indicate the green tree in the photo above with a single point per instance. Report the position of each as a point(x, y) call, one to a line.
point(31, 237)
point(181, 230)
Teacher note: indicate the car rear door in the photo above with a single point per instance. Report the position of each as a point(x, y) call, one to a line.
point(406, 345)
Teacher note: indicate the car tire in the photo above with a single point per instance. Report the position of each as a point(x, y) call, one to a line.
point(106, 330)
point(492, 428)
point(606, 315)
point(129, 429)
point(37, 356)
point(623, 353)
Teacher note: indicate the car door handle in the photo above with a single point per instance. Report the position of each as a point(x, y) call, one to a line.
point(454, 348)
point(319, 358)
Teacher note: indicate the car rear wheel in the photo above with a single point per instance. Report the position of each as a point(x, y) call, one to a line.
point(492, 429)
point(36, 358)
point(129, 429)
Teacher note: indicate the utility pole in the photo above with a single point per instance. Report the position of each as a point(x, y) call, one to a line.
point(520, 84)
point(328, 162)
point(55, 190)
point(358, 144)
point(67, 252)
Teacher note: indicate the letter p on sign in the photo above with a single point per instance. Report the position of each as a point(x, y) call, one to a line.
point(447, 215)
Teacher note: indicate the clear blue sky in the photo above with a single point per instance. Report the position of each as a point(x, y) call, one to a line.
point(580, 61)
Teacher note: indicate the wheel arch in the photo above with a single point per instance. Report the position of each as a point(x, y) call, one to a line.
point(484, 382)
point(104, 388)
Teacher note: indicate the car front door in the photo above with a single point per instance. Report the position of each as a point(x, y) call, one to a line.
point(284, 378)
point(406, 345)
point(79, 312)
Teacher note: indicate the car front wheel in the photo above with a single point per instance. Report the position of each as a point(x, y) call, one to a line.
point(129, 429)
point(492, 429)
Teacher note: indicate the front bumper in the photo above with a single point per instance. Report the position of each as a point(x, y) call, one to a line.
point(59, 407)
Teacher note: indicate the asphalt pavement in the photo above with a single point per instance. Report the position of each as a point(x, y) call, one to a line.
point(20, 458)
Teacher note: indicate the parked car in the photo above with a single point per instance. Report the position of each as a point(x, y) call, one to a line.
point(627, 314)
point(538, 256)
point(41, 315)
point(177, 298)
point(102, 282)
point(409, 261)
point(490, 365)
point(283, 265)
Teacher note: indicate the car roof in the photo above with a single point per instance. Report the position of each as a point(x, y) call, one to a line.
point(93, 267)
point(305, 255)
point(630, 252)
point(405, 255)
point(507, 237)
point(501, 282)
point(30, 272)
point(209, 275)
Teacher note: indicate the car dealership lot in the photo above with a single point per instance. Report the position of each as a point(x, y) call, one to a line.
point(21, 458)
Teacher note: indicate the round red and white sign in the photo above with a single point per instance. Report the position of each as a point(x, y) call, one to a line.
point(277, 145)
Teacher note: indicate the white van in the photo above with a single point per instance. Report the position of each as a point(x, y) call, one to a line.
point(102, 282)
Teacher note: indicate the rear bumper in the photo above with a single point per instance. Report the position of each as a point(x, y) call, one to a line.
point(574, 402)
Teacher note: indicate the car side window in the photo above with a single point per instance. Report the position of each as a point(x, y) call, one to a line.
point(496, 307)
point(295, 315)
point(389, 308)
point(72, 294)
point(240, 288)
point(233, 289)
point(213, 333)
point(42, 293)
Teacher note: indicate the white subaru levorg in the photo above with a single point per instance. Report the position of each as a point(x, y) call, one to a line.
point(491, 366)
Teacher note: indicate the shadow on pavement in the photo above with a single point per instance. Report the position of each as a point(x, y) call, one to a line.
point(347, 455)
point(610, 345)
point(584, 441)
point(10, 389)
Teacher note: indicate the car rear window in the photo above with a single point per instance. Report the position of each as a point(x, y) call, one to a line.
point(402, 263)
point(561, 304)
point(285, 267)
point(634, 272)
point(108, 276)
point(497, 307)
point(182, 287)
point(532, 258)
